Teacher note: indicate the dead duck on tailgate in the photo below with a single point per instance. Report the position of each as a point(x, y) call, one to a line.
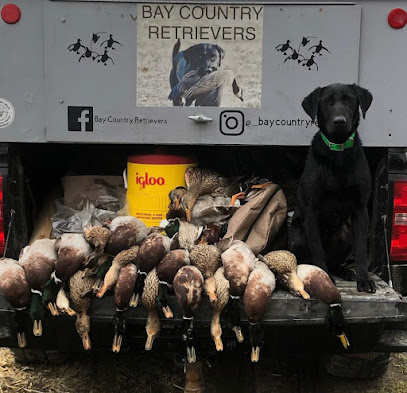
point(174, 208)
point(207, 259)
point(81, 299)
point(16, 290)
point(238, 261)
point(149, 299)
point(256, 298)
point(166, 271)
point(72, 250)
point(222, 287)
point(284, 265)
point(204, 181)
point(126, 231)
point(152, 250)
point(188, 285)
point(211, 233)
point(320, 286)
point(183, 234)
point(121, 259)
point(123, 292)
point(97, 237)
point(38, 261)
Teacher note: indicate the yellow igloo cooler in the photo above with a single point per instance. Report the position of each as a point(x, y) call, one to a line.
point(150, 178)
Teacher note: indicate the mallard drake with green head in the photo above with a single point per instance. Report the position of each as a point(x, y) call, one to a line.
point(123, 291)
point(256, 298)
point(16, 290)
point(320, 286)
point(188, 285)
point(38, 261)
point(126, 232)
point(166, 269)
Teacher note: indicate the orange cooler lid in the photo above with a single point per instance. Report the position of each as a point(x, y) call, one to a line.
point(161, 159)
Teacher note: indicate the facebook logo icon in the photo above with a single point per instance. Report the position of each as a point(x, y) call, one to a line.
point(80, 118)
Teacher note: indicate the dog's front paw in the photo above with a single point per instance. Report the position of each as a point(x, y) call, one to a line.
point(366, 286)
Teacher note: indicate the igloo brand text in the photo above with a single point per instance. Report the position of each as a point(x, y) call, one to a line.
point(146, 180)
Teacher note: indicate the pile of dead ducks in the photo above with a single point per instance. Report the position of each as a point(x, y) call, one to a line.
point(145, 265)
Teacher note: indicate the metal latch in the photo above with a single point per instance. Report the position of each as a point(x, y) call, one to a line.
point(200, 118)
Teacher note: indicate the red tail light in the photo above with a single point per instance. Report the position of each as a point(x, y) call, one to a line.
point(398, 251)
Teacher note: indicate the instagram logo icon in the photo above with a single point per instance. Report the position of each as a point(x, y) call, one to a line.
point(231, 122)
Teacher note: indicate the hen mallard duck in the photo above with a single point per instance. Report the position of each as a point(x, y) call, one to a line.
point(256, 297)
point(123, 291)
point(152, 250)
point(207, 259)
point(149, 299)
point(16, 290)
point(38, 261)
point(320, 286)
point(126, 231)
point(222, 287)
point(80, 290)
point(72, 250)
point(121, 259)
point(97, 237)
point(284, 265)
point(204, 181)
point(174, 208)
point(166, 271)
point(238, 261)
point(188, 284)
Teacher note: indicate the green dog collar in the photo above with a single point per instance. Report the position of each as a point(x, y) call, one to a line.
point(339, 146)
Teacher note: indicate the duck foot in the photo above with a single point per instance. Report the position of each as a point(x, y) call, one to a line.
point(255, 354)
point(68, 311)
point(191, 355)
point(52, 307)
point(37, 328)
point(167, 312)
point(239, 195)
point(117, 343)
point(134, 300)
point(239, 333)
point(218, 344)
point(22, 340)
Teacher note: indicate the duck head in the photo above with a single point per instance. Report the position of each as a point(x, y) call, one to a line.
point(336, 323)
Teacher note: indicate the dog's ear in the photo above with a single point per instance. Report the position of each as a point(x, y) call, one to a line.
point(191, 54)
point(221, 54)
point(310, 103)
point(365, 98)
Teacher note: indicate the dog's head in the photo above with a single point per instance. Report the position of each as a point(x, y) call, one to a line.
point(336, 108)
point(204, 57)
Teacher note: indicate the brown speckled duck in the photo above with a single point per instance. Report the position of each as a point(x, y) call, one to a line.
point(320, 286)
point(174, 208)
point(123, 292)
point(80, 285)
point(16, 290)
point(188, 285)
point(98, 237)
point(238, 261)
point(284, 265)
point(126, 231)
point(256, 297)
point(222, 295)
point(120, 260)
point(207, 259)
point(38, 261)
point(152, 250)
point(166, 271)
point(149, 299)
point(203, 181)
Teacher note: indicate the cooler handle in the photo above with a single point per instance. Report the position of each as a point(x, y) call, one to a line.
point(125, 178)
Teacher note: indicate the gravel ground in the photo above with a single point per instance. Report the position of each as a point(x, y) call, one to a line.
point(153, 373)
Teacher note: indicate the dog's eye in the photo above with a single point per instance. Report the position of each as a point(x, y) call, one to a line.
point(213, 58)
point(329, 101)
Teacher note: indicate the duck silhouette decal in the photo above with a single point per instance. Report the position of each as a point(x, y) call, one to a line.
point(92, 52)
point(303, 56)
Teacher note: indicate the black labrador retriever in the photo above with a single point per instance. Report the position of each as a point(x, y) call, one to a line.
point(335, 185)
point(203, 57)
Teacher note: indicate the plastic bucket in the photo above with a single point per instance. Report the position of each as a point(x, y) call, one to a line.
point(150, 178)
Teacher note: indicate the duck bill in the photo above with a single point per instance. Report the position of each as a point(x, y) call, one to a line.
point(86, 342)
point(218, 344)
point(255, 354)
point(177, 204)
point(210, 289)
point(188, 213)
point(117, 343)
point(344, 340)
point(102, 291)
point(167, 312)
point(239, 333)
point(37, 328)
point(191, 355)
point(22, 340)
point(134, 300)
point(304, 294)
point(52, 307)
